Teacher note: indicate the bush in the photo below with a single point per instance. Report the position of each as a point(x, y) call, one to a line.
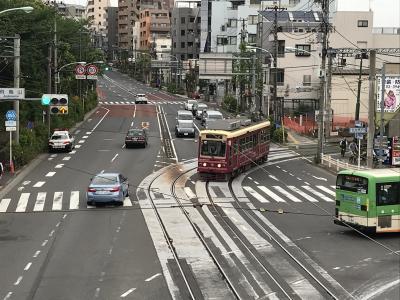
point(277, 135)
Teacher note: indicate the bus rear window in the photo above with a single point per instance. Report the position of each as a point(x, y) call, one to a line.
point(388, 193)
point(352, 183)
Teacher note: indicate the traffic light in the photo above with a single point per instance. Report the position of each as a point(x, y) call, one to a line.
point(58, 103)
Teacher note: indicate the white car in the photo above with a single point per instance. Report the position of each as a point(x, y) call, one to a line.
point(61, 140)
point(199, 109)
point(209, 116)
point(189, 104)
point(141, 98)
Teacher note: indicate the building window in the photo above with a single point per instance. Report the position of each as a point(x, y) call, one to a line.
point(280, 77)
point(252, 38)
point(232, 40)
point(303, 50)
point(174, 21)
point(222, 40)
point(174, 44)
point(191, 20)
point(190, 44)
point(182, 44)
point(183, 32)
point(306, 80)
point(174, 33)
point(281, 48)
point(252, 20)
point(182, 56)
point(183, 20)
point(362, 23)
point(190, 56)
point(163, 46)
point(232, 23)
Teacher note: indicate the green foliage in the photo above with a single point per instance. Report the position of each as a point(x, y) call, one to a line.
point(171, 87)
point(277, 135)
point(230, 103)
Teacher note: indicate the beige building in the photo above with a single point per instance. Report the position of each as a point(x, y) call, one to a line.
point(128, 14)
point(154, 25)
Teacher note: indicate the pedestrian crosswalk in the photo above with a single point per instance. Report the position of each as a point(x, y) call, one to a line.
point(133, 102)
point(46, 201)
point(290, 193)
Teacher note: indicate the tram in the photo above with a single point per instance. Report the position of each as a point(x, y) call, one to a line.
point(369, 199)
point(229, 147)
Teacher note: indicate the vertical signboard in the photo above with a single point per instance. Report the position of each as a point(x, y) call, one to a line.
point(391, 94)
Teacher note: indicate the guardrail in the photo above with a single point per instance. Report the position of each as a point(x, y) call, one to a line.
point(337, 165)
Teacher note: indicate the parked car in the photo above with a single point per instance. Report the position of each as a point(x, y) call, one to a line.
point(189, 104)
point(209, 116)
point(136, 137)
point(61, 139)
point(107, 188)
point(184, 124)
point(141, 99)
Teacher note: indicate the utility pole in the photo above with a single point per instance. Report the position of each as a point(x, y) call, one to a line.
point(371, 108)
point(357, 116)
point(55, 65)
point(321, 115)
point(328, 123)
point(382, 126)
point(49, 75)
point(17, 71)
point(253, 80)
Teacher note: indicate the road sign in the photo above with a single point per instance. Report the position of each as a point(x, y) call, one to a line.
point(145, 125)
point(9, 128)
point(80, 70)
point(358, 130)
point(11, 115)
point(63, 110)
point(91, 77)
point(11, 123)
point(91, 70)
point(359, 136)
point(12, 93)
point(359, 123)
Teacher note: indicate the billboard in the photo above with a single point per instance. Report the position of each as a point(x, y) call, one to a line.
point(391, 96)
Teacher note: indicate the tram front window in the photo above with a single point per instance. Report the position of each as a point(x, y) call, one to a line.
point(213, 148)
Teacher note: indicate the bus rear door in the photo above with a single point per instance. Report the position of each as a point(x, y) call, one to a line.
point(387, 207)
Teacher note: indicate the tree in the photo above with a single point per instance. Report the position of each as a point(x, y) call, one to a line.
point(242, 65)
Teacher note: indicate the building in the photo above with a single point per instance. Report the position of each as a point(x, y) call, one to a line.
point(128, 14)
point(185, 28)
point(154, 25)
point(73, 11)
point(112, 32)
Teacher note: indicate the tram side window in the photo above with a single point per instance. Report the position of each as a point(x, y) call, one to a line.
point(388, 193)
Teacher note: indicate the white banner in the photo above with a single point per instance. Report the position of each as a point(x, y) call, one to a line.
point(391, 95)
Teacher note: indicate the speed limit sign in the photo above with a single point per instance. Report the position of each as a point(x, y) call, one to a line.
point(91, 70)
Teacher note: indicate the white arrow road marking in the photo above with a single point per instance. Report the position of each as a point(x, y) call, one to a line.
point(320, 178)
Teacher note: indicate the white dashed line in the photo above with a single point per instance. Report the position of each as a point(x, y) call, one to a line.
point(127, 292)
point(44, 243)
point(85, 137)
point(36, 254)
point(18, 280)
point(77, 146)
point(152, 277)
point(67, 158)
point(59, 166)
point(28, 265)
point(50, 174)
point(81, 141)
point(116, 155)
point(39, 184)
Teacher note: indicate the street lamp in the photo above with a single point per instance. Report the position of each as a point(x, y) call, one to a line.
point(66, 65)
point(27, 9)
point(262, 49)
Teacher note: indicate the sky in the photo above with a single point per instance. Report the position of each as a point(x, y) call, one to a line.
point(386, 12)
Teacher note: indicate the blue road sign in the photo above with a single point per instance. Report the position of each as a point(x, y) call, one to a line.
point(11, 115)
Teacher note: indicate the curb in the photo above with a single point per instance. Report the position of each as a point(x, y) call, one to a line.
point(21, 173)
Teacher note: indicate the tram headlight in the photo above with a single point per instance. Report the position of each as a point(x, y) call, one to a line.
point(219, 165)
point(204, 164)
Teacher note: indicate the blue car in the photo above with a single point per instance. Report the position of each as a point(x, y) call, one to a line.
point(107, 188)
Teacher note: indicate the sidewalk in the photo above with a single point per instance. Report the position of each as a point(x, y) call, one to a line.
point(296, 140)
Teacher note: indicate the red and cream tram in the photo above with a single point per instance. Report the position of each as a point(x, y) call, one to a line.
point(229, 147)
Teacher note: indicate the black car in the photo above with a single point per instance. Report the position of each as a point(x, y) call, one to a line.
point(136, 137)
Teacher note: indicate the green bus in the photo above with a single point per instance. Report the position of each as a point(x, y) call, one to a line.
point(369, 199)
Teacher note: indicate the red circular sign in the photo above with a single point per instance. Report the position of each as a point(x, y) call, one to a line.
point(91, 70)
point(80, 70)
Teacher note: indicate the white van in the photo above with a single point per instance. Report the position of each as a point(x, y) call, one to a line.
point(211, 115)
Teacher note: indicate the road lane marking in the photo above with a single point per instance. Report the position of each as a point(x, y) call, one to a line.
point(127, 202)
point(85, 136)
point(39, 184)
point(88, 132)
point(74, 200)
point(189, 192)
point(51, 233)
point(77, 146)
point(255, 194)
point(271, 194)
point(301, 193)
point(50, 174)
point(36, 254)
point(97, 293)
point(57, 200)
point(326, 190)
point(26, 182)
point(81, 141)
point(9, 294)
point(44, 243)
point(40, 199)
point(152, 277)
point(98, 123)
point(59, 166)
point(115, 156)
point(308, 188)
point(28, 265)
point(320, 178)
point(273, 177)
point(127, 292)
point(18, 280)
point(4, 204)
point(23, 202)
point(286, 193)
point(67, 158)
point(76, 132)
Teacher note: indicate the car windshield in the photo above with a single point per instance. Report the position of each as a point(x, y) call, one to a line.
point(215, 116)
point(59, 137)
point(185, 117)
point(201, 106)
point(105, 179)
point(135, 133)
point(213, 148)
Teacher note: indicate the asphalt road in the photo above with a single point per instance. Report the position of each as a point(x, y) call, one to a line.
point(53, 246)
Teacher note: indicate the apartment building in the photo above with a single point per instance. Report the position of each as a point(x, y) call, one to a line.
point(73, 11)
point(96, 11)
point(128, 14)
point(112, 32)
point(185, 30)
point(154, 25)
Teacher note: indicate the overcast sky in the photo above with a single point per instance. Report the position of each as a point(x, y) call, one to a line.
point(386, 12)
